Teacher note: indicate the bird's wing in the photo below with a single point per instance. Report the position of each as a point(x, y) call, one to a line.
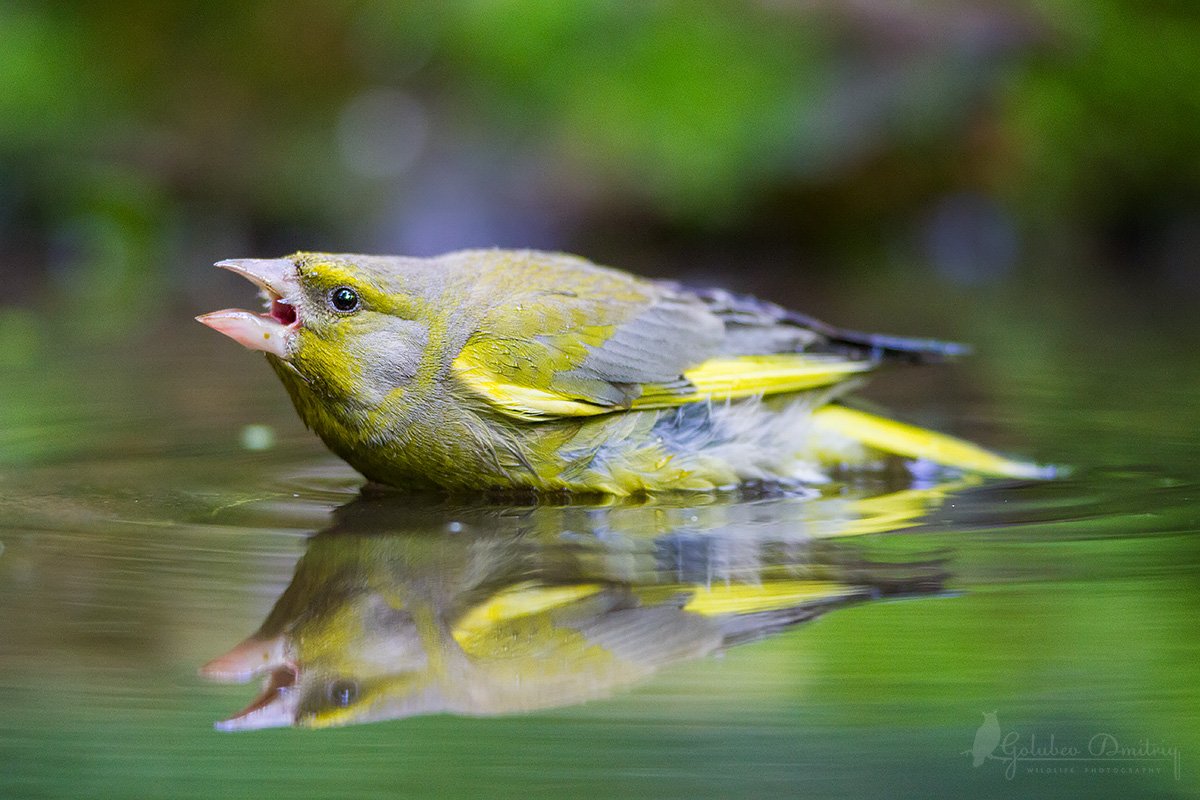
point(752, 323)
point(619, 343)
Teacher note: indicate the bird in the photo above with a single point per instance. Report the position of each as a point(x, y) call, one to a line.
point(523, 370)
point(388, 617)
point(986, 738)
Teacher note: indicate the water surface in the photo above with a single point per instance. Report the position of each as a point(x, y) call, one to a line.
point(158, 499)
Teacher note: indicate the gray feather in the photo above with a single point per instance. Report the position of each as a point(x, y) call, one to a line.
point(658, 345)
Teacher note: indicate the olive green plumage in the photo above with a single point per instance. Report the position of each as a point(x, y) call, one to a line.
point(495, 369)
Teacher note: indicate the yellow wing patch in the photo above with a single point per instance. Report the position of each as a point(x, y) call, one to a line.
point(751, 376)
point(520, 400)
point(750, 598)
point(716, 379)
point(521, 600)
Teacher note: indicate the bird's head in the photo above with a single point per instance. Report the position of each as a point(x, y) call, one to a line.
point(347, 656)
point(346, 329)
point(304, 687)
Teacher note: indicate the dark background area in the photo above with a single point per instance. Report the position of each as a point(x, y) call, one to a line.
point(965, 143)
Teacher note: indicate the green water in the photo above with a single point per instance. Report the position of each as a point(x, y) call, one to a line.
point(147, 527)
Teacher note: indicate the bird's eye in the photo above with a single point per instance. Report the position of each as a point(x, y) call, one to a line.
point(343, 693)
point(344, 299)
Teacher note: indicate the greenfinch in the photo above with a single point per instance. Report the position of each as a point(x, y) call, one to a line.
point(527, 370)
point(389, 617)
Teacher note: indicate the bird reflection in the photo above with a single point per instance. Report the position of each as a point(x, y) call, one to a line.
point(398, 609)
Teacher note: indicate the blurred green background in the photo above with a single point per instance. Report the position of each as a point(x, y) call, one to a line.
point(956, 141)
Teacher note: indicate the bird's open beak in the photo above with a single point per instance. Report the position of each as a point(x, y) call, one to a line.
point(275, 706)
point(274, 331)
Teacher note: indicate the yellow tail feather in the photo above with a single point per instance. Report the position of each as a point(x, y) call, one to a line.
point(913, 442)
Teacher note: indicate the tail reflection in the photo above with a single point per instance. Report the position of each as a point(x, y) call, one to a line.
point(397, 610)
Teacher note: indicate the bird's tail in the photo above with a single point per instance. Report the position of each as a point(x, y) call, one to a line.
point(909, 441)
